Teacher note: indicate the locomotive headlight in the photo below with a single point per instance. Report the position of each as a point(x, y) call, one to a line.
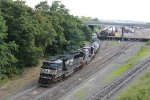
point(48, 71)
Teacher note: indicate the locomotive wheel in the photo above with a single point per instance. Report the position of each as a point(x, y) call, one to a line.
point(86, 63)
point(76, 69)
point(63, 76)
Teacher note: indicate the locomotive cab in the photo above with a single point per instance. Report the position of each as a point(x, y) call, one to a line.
point(50, 71)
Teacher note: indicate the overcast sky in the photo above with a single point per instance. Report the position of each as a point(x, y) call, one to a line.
point(106, 9)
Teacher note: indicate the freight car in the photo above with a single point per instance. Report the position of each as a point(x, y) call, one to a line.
point(111, 31)
point(56, 68)
point(128, 30)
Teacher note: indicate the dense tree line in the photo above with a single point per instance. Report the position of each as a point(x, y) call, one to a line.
point(26, 34)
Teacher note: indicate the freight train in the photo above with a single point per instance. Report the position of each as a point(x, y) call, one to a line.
point(59, 67)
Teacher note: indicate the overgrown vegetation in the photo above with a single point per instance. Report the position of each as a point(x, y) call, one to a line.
point(140, 89)
point(141, 54)
point(27, 34)
point(81, 94)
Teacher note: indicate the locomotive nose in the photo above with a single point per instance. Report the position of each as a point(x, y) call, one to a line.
point(49, 71)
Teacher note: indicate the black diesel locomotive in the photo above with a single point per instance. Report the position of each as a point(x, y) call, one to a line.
point(59, 67)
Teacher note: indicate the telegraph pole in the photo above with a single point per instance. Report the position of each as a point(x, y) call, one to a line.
point(122, 36)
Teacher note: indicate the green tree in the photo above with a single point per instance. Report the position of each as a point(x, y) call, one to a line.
point(87, 32)
point(43, 6)
point(73, 33)
point(56, 18)
point(85, 19)
point(44, 31)
point(28, 53)
point(22, 30)
point(8, 60)
point(26, 34)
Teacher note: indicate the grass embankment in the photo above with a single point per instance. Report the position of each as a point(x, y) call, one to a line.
point(141, 54)
point(23, 81)
point(140, 90)
point(81, 94)
point(137, 91)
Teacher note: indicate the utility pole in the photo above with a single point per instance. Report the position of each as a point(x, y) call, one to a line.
point(122, 36)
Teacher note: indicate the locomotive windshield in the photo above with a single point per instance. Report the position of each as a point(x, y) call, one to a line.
point(50, 65)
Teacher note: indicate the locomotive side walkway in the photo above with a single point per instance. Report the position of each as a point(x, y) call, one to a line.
point(99, 80)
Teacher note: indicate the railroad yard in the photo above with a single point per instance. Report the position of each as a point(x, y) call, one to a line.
point(74, 50)
point(95, 81)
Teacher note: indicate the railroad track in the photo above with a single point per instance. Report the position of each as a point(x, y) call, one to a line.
point(84, 75)
point(57, 90)
point(110, 89)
